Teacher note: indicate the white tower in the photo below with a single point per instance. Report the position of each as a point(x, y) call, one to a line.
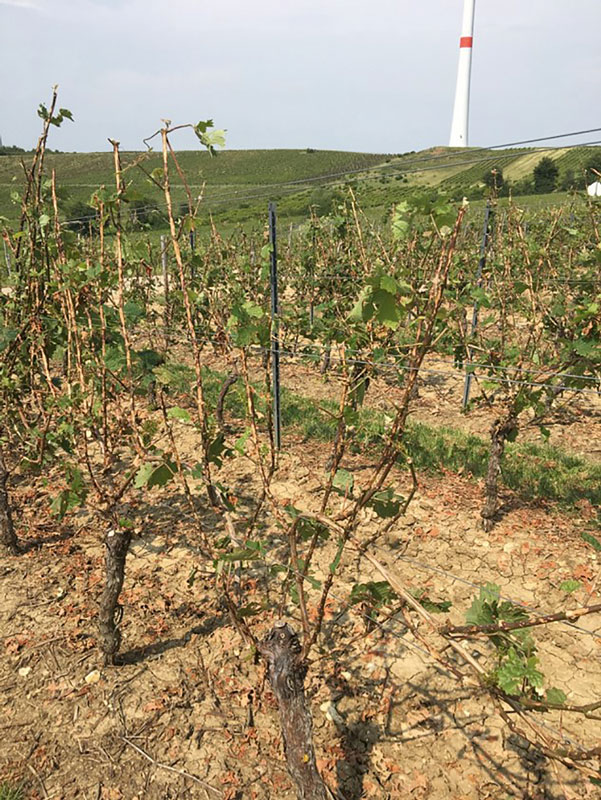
point(461, 110)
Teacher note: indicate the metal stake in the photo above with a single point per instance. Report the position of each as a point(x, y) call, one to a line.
point(275, 338)
point(481, 264)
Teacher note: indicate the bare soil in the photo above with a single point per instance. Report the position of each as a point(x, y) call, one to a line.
point(575, 426)
point(188, 713)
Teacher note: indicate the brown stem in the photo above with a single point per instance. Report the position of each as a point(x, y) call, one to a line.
point(500, 430)
point(327, 357)
point(190, 316)
point(299, 578)
point(338, 446)
point(423, 342)
point(227, 384)
point(238, 622)
point(286, 670)
point(401, 512)
point(265, 474)
point(327, 586)
point(543, 705)
point(35, 173)
point(562, 616)
point(110, 612)
point(182, 475)
point(8, 537)
point(121, 300)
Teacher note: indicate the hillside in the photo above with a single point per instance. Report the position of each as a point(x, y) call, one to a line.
point(237, 184)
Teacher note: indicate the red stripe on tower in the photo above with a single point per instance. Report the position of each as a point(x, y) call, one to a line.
point(466, 41)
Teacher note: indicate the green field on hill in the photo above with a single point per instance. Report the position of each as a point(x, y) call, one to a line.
point(237, 184)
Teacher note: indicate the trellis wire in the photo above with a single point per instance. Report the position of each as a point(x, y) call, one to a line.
point(538, 284)
point(447, 373)
point(470, 364)
point(315, 353)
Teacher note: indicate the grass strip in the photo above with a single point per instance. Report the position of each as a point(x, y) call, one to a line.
point(10, 792)
point(534, 471)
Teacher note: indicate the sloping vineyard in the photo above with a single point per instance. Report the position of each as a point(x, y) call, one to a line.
point(229, 519)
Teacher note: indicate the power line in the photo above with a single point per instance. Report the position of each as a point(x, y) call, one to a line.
point(224, 199)
point(546, 138)
point(428, 159)
point(220, 199)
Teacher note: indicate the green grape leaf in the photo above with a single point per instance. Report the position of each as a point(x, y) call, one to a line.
point(150, 475)
point(555, 696)
point(516, 670)
point(386, 503)
point(376, 593)
point(178, 413)
point(570, 586)
point(483, 610)
point(343, 482)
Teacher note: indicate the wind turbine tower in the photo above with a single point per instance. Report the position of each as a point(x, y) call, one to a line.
point(461, 111)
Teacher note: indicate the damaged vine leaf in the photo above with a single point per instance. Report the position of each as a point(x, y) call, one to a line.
point(252, 551)
point(386, 503)
point(307, 528)
point(210, 139)
point(343, 483)
point(54, 119)
point(516, 672)
point(375, 595)
point(433, 606)
point(73, 495)
point(153, 474)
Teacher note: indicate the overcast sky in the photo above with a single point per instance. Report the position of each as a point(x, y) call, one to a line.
point(368, 75)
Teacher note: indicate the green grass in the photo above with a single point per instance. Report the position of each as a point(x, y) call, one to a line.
point(232, 173)
point(522, 167)
point(11, 792)
point(533, 471)
point(534, 202)
point(238, 183)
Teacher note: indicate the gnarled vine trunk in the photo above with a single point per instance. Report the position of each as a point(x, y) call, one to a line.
point(110, 612)
point(282, 651)
point(500, 431)
point(8, 537)
point(227, 384)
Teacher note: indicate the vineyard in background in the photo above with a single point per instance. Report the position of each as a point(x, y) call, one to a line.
point(154, 387)
point(237, 186)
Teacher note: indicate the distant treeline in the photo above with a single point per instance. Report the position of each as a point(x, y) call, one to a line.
point(13, 150)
